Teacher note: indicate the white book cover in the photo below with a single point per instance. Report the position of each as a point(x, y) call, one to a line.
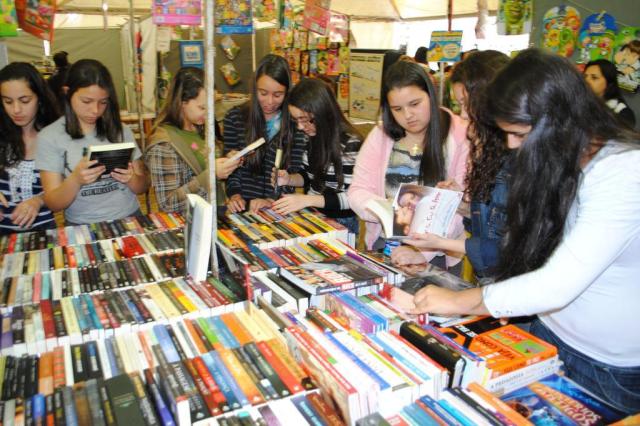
point(198, 236)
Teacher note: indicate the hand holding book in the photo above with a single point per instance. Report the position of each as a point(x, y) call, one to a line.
point(123, 175)
point(87, 171)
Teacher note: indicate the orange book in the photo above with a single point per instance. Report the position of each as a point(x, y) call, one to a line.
point(71, 256)
point(499, 405)
point(282, 353)
point(237, 329)
point(241, 376)
point(195, 337)
point(281, 368)
point(203, 389)
point(181, 297)
point(145, 344)
point(211, 384)
point(45, 374)
point(59, 378)
point(329, 415)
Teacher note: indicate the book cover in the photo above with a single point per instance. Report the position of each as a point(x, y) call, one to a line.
point(197, 236)
point(416, 209)
point(112, 155)
point(122, 395)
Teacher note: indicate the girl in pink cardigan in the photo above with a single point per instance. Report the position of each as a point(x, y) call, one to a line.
point(417, 142)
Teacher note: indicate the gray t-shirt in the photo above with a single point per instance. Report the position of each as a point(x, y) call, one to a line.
point(104, 199)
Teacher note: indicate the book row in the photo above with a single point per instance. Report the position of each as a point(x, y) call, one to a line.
point(91, 254)
point(84, 234)
point(35, 328)
point(59, 283)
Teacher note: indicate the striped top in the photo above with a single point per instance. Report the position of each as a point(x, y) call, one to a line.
point(336, 203)
point(244, 181)
point(18, 184)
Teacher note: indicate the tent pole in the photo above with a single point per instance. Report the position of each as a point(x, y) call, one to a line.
point(210, 130)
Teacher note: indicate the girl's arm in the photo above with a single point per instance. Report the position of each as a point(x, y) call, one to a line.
point(135, 177)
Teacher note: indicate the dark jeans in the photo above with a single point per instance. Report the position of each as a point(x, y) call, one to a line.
point(619, 386)
point(351, 223)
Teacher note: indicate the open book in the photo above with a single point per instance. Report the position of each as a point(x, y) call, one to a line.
point(112, 155)
point(416, 209)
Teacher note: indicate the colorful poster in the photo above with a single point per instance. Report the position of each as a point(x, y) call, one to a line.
point(264, 10)
point(317, 16)
point(597, 37)
point(36, 17)
point(339, 28)
point(445, 46)
point(514, 17)
point(191, 54)
point(177, 12)
point(560, 27)
point(365, 77)
point(8, 19)
point(233, 17)
point(627, 58)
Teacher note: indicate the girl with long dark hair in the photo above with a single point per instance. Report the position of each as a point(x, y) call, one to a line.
point(266, 116)
point(330, 156)
point(602, 76)
point(70, 180)
point(417, 143)
point(570, 252)
point(27, 106)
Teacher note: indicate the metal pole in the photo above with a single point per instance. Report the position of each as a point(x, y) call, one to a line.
point(210, 131)
point(137, 75)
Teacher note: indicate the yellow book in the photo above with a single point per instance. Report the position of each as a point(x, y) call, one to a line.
point(253, 327)
point(69, 316)
point(306, 224)
point(181, 297)
point(241, 376)
point(161, 300)
point(298, 229)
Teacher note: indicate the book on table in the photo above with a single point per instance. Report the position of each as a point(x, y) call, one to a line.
point(112, 155)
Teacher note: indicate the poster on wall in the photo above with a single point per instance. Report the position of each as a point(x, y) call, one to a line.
point(233, 17)
point(191, 54)
point(339, 28)
point(317, 16)
point(8, 19)
point(177, 12)
point(597, 37)
point(265, 10)
point(445, 46)
point(36, 17)
point(514, 17)
point(560, 27)
point(365, 77)
point(627, 58)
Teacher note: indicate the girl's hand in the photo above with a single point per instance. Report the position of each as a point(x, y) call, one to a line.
point(435, 300)
point(259, 203)
point(224, 166)
point(405, 255)
point(123, 175)
point(449, 184)
point(290, 203)
point(85, 173)
point(283, 178)
point(236, 203)
point(27, 211)
point(425, 241)
point(4, 203)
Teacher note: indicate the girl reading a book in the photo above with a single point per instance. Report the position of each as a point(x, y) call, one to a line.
point(572, 240)
point(329, 158)
point(176, 155)
point(71, 181)
point(418, 142)
point(266, 116)
point(27, 107)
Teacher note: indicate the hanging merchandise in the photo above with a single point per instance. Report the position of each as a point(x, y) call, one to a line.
point(445, 46)
point(560, 27)
point(163, 38)
point(514, 17)
point(264, 10)
point(230, 74)
point(300, 38)
point(191, 54)
point(36, 17)
point(177, 12)
point(317, 16)
point(8, 19)
point(597, 37)
point(233, 17)
point(316, 41)
point(229, 47)
point(627, 58)
point(339, 28)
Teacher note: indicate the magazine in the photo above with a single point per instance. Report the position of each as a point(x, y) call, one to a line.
point(417, 209)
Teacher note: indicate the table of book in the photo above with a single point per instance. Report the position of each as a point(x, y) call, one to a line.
point(101, 326)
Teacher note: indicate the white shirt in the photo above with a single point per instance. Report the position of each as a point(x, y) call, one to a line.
point(588, 292)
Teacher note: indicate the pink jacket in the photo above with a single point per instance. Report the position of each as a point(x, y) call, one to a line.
point(371, 168)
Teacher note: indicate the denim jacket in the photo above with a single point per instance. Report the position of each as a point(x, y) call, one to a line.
point(488, 221)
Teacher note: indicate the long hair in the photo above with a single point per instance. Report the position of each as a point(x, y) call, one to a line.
point(315, 97)
point(610, 74)
point(404, 74)
point(277, 68)
point(85, 73)
point(12, 149)
point(488, 145)
point(187, 84)
point(542, 90)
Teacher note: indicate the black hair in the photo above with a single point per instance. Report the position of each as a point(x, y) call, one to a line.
point(610, 74)
point(61, 59)
point(12, 148)
point(421, 55)
point(186, 85)
point(404, 74)
point(277, 68)
point(542, 90)
point(488, 148)
point(316, 98)
point(86, 73)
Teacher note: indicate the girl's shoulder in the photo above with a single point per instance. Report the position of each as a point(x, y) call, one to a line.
point(57, 128)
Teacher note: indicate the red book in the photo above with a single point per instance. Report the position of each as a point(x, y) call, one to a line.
point(102, 315)
point(287, 377)
point(211, 384)
point(131, 247)
point(12, 242)
point(37, 287)
point(71, 257)
point(47, 319)
point(58, 367)
point(45, 374)
point(62, 237)
point(90, 253)
point(207, 396)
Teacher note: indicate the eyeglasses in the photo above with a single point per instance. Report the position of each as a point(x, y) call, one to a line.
point(303, 121)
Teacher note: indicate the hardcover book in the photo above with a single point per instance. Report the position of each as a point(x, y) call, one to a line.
point(112, 156)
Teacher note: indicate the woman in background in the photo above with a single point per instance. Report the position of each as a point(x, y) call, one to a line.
point(266, 116)
point(602, 77)
point(329, 158)
point(27, 107)
point(177, 154)
point(71, 181)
